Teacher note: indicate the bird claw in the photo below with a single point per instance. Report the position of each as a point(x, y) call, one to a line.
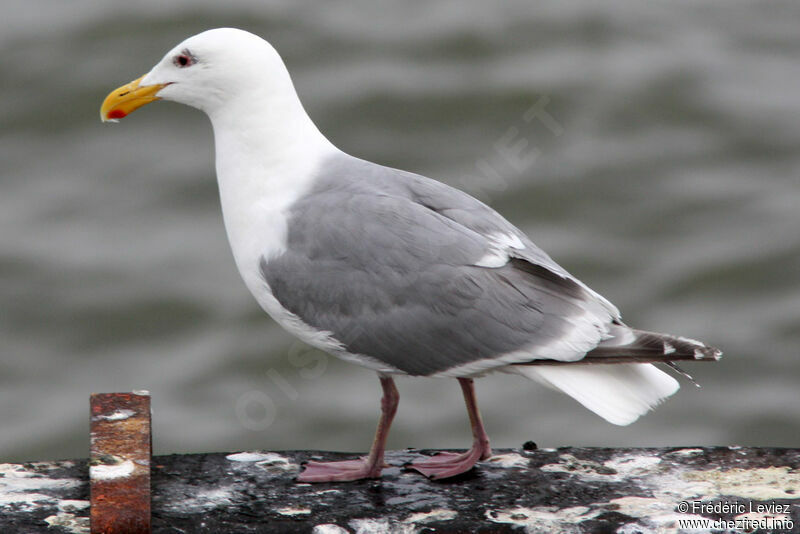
point(343, 471)
point(447, 464)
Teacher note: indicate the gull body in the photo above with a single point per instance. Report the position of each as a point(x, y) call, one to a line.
point(391, 270)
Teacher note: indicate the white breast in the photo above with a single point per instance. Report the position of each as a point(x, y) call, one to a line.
point(265, 162)
point(268, 154)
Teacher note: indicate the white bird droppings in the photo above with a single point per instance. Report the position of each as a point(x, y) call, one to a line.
point(267, 460)
point(763, 484)
point(204, 500)
point(509, 460)
point(687, 452)
point(68, 522)
point(541, 519)
point(293, 511)
point(20, 486)
point(249, 456)
point(438, 514)
point(329, 528)
point(632, 465)
point(107, 472)
point(119, 415)
point(380, 526)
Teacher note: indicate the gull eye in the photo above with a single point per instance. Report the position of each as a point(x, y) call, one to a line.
point(184, 59)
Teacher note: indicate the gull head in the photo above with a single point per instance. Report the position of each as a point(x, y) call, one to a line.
point(209, 71)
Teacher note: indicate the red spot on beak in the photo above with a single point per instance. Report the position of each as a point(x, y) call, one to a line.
point(116, 114)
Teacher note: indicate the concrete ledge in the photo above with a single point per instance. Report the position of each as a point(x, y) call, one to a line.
point(549, 490)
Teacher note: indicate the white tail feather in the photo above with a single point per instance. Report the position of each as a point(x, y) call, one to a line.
point(618, 393)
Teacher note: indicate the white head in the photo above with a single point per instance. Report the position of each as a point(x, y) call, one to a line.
point(267, 148)
point(241, 83)
point(208, 71)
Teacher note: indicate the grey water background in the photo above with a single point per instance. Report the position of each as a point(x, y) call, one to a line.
point(668, 179)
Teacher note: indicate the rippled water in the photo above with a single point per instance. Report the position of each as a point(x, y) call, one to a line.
point(667, 178)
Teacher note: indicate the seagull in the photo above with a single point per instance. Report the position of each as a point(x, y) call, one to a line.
point(391, 270)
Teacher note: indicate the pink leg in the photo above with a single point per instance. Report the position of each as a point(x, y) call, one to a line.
point(365, 467)
point(450, 464)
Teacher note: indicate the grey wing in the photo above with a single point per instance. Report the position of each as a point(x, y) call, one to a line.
point(505, 238)
point(394, 273)
point(477, 216)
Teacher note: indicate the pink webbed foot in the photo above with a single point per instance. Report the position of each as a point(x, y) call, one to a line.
point(366, 466)
point(344, 471)
point(450, 464)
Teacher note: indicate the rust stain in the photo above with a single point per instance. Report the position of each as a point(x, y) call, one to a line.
point(119, 466)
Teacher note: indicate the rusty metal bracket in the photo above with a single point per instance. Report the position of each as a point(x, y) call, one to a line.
point(119, 466)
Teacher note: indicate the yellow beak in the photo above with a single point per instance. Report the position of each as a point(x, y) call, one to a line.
point(127, 99)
